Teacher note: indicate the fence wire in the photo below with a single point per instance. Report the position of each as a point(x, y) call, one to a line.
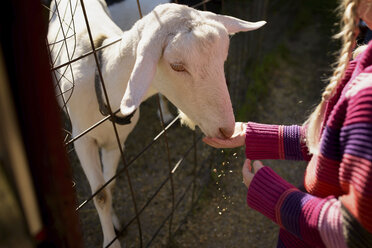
point(63, 70)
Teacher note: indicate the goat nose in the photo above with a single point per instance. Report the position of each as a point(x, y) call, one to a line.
point(227, 132)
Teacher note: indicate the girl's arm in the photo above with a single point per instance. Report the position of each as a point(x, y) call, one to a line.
point(266, 141)
point(275, 142)
point(344, 220)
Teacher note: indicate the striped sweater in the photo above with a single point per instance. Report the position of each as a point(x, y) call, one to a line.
point(336, 210)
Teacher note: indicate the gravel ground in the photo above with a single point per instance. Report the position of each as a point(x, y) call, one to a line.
point(220, 218)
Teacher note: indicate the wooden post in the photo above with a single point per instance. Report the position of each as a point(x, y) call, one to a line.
point(24, 48)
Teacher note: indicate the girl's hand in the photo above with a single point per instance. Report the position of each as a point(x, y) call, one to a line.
point(237, 139)
point(247, 171)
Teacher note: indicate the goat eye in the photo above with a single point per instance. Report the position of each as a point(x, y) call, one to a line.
point(178, 67)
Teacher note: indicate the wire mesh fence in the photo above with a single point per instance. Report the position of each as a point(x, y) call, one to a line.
point(160, 211)
point(174, 195)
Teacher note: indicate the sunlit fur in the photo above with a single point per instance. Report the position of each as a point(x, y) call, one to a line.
point(186, 121)
point(125, 14)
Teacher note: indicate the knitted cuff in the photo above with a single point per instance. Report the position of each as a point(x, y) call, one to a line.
point(262, 141)
point(265, 191)
point(292, 142)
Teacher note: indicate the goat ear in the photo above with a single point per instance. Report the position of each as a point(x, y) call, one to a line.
point(148, 53)
point(234, 25)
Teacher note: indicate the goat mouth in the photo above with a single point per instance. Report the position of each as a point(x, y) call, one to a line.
point(219, 134)
point(222, 134)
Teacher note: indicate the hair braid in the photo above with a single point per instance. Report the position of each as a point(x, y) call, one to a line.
point(349, 31)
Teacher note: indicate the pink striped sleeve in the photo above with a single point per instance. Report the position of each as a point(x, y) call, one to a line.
point(275, 142)
point(316, 221)
point(262, 141)
point(330, 225)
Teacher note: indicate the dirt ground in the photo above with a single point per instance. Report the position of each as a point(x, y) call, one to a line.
point(220, 217)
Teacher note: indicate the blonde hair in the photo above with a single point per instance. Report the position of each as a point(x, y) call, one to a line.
point(348, 34)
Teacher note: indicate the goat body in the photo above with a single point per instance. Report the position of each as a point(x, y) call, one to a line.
point(174, 50)
point(125, 13)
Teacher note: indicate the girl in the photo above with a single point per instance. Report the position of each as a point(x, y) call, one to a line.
point(336, 209)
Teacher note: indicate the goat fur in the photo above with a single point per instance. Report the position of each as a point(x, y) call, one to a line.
point(125, 14)
point(135, 68)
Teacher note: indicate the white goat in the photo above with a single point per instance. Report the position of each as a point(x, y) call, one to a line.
point(125, 13)
point(175, 50)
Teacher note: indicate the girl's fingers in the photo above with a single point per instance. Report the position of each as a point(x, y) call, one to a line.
point(211, 142)
point(248, 165)
point(218, 143)
point(236, 140)
point(249, 171)
point(247, 174)
point(208, 141)
point(257, 165)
